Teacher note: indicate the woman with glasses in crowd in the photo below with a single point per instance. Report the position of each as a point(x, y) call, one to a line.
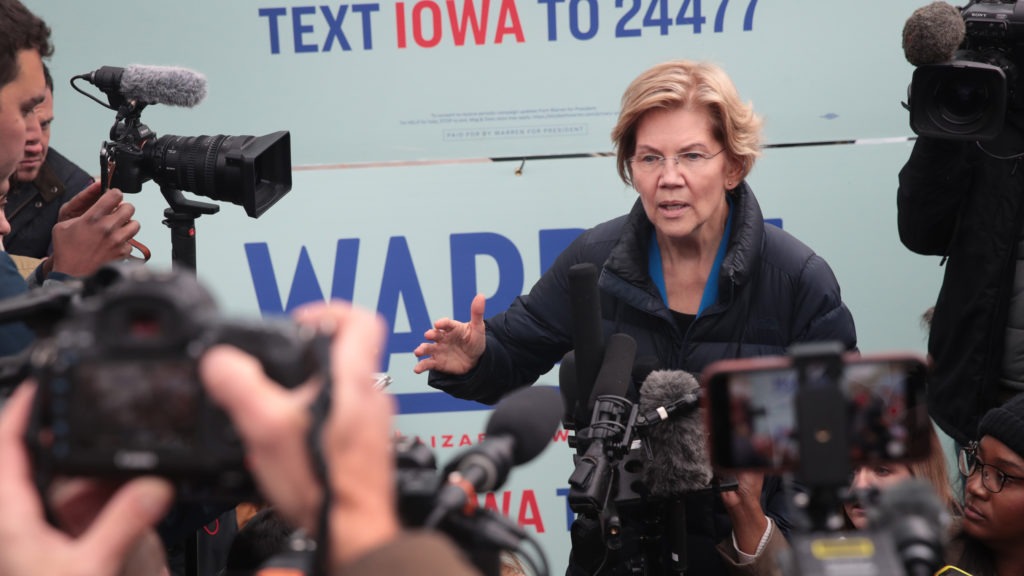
point(991, 537)
point(692, 273)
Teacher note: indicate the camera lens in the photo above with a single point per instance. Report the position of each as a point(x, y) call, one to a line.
point(962, 103)
point(189, 163)
point(960, 99)
point(251, 171)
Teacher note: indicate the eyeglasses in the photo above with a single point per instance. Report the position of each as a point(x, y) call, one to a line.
point(650, 163)
point(992, 478)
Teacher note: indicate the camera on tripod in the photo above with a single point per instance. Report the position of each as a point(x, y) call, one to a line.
point(117, 373)
point(967, 98)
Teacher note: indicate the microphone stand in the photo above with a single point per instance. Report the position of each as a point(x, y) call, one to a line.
point(180, 217)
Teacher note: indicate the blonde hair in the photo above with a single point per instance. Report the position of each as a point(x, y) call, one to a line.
point(933, 469)
point(681, 83)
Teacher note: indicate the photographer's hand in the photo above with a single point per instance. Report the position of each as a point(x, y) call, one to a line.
point(93, 228)
point(111, 527)
point(273, 423)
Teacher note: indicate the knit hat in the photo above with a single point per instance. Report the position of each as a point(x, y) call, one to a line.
point(1006, 424)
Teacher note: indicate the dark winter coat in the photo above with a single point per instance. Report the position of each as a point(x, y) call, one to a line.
point(773, 291)
point(32, 207)
point(955, 201)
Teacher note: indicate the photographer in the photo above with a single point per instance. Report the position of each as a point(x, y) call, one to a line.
point(92, 229)
point(45, 181)
point(964, 200)
point(363, 527)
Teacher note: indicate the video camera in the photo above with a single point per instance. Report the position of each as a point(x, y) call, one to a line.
point(967, 97)
point(118, 389)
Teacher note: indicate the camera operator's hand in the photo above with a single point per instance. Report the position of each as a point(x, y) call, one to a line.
point(109, 529)
point(273, 423)
point(93, 228)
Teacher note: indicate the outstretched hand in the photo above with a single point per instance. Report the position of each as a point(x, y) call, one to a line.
point(454, 347)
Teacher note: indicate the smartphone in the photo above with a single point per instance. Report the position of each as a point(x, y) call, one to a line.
point(751, 410)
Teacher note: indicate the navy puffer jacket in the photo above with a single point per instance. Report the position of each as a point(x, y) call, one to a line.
point(773, 291)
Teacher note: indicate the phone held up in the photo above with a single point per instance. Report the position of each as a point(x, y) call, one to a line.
point(768, 413)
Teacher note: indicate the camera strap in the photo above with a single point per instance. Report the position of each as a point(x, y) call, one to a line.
point(320, 409)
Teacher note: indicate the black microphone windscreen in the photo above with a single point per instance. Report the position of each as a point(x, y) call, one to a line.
point(680, 460)
point(530, 416)
point(932, 34)
point(616, 369)
point(163, 85)
point(587, 336)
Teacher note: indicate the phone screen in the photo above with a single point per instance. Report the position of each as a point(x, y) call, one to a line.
point(754, 424)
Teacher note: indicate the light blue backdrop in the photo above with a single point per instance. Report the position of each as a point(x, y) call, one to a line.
point(406, 158)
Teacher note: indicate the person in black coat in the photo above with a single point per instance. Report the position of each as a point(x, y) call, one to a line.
point(45, 181)
point(964, 201)
point(692, 273)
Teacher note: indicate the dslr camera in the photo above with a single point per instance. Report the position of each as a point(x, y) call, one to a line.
point(118, 389)
point(967, 97)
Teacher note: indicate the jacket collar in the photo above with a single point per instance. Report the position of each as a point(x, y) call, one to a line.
point(744, 250)
point(628, 259)
point(48, 184)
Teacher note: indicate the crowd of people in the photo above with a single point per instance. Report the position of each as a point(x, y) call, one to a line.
point(692, 274)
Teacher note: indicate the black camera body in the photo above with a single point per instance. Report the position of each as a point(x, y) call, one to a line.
point(118, 389)
point(967, 98)
point(252, 172)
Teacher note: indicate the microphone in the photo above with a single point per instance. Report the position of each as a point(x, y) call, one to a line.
point(570, 390)
point(151, 84)
point(587, 335)
point(519, 429)
point(616, 372)
point(932, 34)
point(917, 522)
point(680, 462)
point(591, 481)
